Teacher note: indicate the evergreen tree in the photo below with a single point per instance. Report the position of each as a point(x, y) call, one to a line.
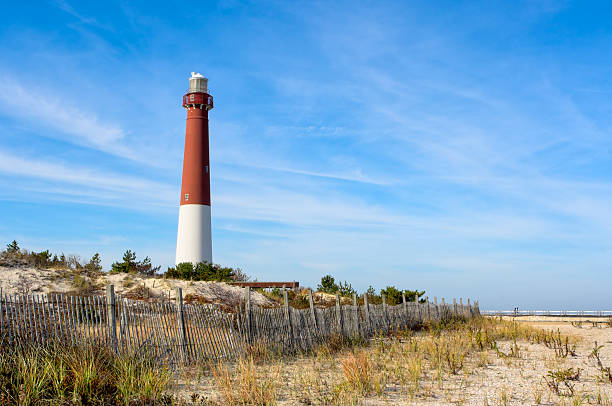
point(327, 285)
point(127, 265)
point(41, 259)
point(94, 265)
point(373, 298)
point(345, 289)
point(12, 248)
point(145, 268)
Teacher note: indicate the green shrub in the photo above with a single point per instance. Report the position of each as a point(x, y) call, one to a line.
point(299, 301)
point(202, 271)
point(13, 248)
point(83, 285)
point(327, 285)
point(345, 289)
point(394, 295)
point(130, 265)
point(373, 297)
point(127, 265)
point(41, 259)
point(94, 266)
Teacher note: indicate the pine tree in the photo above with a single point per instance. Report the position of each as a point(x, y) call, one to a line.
point(13, 247)
point(145, 268)
point(130, 264)
point(127, 266)
point(328, 284)
point(94, 265)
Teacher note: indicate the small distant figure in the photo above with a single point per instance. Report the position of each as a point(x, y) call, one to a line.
point(516, 311)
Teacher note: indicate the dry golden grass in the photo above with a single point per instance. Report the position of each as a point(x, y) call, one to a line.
point(245, 385)
point(442, 364)
point(356, 368)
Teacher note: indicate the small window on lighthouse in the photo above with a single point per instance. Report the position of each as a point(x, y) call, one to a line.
point(186, 196)
point(206, 168)
point(191, 97)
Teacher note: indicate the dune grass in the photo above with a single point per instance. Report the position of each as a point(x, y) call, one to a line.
point(404, 366)
point(87, 375)
point(411, 365)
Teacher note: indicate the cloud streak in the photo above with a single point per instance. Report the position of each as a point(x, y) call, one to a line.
point(89, 185)
point(55, 118)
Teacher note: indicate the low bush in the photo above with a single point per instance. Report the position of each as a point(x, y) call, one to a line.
point(393, 295)
point(14, 255)
point(328, 285)
point(202, 271)
point(129, 264)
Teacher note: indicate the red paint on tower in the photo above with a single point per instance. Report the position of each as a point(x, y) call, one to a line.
point(195, 188)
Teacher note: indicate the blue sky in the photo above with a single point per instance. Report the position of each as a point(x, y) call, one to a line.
point(459, 147)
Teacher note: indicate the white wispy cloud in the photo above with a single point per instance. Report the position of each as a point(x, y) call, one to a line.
point(353, 175)
point(57, 118)
point(87, 185)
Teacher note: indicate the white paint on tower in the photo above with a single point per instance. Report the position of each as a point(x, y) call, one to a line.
point(193, 242)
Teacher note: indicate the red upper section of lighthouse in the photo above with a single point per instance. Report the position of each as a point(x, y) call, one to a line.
point(195, 188)
point(198, 99)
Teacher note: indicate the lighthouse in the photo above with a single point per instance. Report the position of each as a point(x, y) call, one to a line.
point(193, 241)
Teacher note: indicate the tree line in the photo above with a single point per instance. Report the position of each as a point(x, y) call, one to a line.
point(202, 271)
point(392, 294)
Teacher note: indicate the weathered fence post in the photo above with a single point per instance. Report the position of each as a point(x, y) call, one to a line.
point(385, 313)
point(111, 315)
point(356, 312)
point(247, 314)
point(454, 307)
point(445, 313)
point(339, 315)
point(180, 319)
point(405, 304)
point(366, 307)
point(428, 312)
point(461, 309)
point(418, 308)
point(313, 313)
point(288, 318)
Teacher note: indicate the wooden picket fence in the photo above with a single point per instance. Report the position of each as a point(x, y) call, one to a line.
point(176, 332)
point(288, 329)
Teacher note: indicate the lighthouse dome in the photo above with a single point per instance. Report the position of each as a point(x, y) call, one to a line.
point(198, 83)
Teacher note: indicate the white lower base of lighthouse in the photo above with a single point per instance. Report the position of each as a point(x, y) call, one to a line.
point(194, 242)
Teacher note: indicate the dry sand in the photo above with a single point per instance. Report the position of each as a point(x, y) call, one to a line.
point(520, 380)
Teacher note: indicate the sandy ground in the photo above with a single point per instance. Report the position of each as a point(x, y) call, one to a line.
point(522, 380)
point(14, 280)
point(515, 381)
